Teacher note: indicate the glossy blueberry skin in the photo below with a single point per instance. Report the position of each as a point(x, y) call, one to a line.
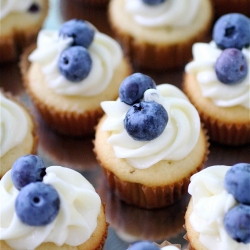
point(236, 223)
point(81, 31)
point(27, 169)
point(37, 204)
point(232, 31)
point(143, 245)
point(231, 66)
point(237, 182)
point(153, 2)
point(146, 121)
point(133, 87)
point(75, 63)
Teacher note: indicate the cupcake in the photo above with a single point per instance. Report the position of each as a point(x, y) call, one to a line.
point(141, 245)
point(70, 72)
point(218, 213)
point(49, 208)
point(158, 35)
point(18, 131)
point(20, 23)
point(149, 142)
point(217, 81)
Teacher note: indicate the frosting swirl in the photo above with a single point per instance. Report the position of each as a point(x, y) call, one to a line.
point(76, 221)
point(174, 13)
point(203, 66)
point(177, 140)
point(8, 6)
point(105, 52)
point(14, 124)
point(211, 202)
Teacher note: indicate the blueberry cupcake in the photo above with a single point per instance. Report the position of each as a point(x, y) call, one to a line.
point(217, 81)
point(70, 72)
point(18, 131)
point(159, 34)
point(149, 142)
point(20, 23)
point(49, 208)
point(148, 245)
point(218, 213)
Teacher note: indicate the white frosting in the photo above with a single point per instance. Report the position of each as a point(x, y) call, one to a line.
point(105, 52)
point(177, 140)
point(14, 124)
point(173, 13)
point(8, 6)
point(76, 221)
point(203, 66)
point(211, 202)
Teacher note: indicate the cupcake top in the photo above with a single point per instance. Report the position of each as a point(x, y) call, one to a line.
point(162, 13)
point(222, 67)
point(76, 60)
point(54, 204)
point(150, 123)
point(14, 124)
point(9, 6)
point(221, 206)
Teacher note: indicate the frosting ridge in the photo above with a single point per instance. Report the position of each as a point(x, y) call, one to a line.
point(211, 202)
point(203, 66)
point(177, 140)
point(76, 221)
point(105, 53)
point(14, 125)
point(174, 13)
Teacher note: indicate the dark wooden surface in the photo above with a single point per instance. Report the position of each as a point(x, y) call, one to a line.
point(76, 153)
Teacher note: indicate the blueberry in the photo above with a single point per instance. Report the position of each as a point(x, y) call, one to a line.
point(146, 121)
point(34, 8)
point(232, 31)
point(75, 63)
point(153, 2)
point(81, 31)
point(37, 204)
point(236, 223)
point(231, 66)
point(27, 169)
point(143, 245)
point(133, 87)
point(237, 182)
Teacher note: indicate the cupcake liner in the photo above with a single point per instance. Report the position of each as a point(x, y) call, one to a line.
point(230, 133)
point(157, 57)
point(67, 123)
point(148, 197)
point(224, 133)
